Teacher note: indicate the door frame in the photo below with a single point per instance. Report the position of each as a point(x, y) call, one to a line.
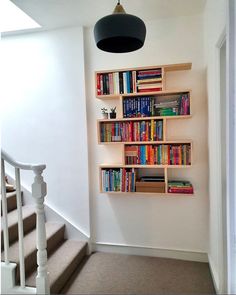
point(231, 141)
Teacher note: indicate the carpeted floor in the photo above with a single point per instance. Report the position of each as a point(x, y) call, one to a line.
point(105, 273)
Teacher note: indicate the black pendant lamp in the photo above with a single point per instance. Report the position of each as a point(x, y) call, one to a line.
point(119, 32)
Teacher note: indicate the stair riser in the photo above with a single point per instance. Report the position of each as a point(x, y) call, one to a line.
point(61, 281)
point(31, 260)
point(29, 223)
point(11, 203)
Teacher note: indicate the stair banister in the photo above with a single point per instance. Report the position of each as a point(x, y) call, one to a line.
point(39, 191)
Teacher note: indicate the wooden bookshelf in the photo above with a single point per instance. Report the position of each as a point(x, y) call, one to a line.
point(145, 102)
point(118, 166)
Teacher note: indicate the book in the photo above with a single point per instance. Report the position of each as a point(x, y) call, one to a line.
point(152, 178)
point(158, 154)
point(180, 187)
point(131, 131)
point(118, 180)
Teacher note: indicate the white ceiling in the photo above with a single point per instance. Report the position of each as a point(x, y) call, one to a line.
point(59, 13)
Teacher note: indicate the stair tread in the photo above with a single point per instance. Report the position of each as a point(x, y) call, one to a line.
point(30, 241)
point(59, 261)
point(11, 194)
point(12, 216)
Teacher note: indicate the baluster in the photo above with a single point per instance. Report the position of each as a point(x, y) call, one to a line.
point(39, 191)
point(20, 228)
point(4, 213)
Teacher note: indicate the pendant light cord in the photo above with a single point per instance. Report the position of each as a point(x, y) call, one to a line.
point(118, 2)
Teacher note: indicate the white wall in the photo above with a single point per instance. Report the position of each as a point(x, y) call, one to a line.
point(44, 115)
point(178, 223)
point(214, 26)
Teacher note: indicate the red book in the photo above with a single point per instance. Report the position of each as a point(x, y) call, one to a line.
point(174, 154)
point(123, 179)
point(132, 131)
point(149, 154)
point(149, 72)
point(138, 160)
point(150, 90)
point(168, 154)
point(98, 85)
point(181, 190)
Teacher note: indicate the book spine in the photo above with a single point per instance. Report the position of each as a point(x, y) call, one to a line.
point(124, 82)
point(98, 85)
point(121, 89)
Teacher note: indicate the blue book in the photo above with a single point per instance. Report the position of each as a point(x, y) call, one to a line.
point(128, 82)
point(132, 182)
point(139, 108)
point(127, 108)
point(124, 108)
point(146, 107)
point(106, 181)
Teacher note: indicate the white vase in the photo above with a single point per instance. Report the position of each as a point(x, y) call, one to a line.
point(105, 116)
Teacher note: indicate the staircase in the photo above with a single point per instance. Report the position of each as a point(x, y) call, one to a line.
point(64, 256)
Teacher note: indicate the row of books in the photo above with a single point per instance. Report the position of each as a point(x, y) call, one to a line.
point(162, 154)
point(118, 180)
point(132, 131)
point(149, 80)
point(116, 83)
point(125, 82)
point(124, 180)
point(180, 187)
point(148, 106)
point(178, 106)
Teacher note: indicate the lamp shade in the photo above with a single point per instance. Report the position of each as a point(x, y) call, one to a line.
point(119, 33)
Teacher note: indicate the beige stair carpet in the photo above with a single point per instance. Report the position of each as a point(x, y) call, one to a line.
point(29, 222)
point(61, 264)
point(106, 273)
point(64, 256)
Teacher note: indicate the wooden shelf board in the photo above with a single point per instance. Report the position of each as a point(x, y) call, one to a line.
point(178, 67)
point(109, 96)
point(170, 67)
point(164, 92)
point(147, 142)
point(145, 193)
point(144, 118)
point(109, 166)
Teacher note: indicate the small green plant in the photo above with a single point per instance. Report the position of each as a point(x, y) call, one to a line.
point(104, 111)
point(113, 110)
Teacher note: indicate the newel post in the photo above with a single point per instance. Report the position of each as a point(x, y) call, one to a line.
point(39, 191)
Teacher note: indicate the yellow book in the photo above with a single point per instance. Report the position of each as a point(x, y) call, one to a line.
point(163, 155)
point(152, 130)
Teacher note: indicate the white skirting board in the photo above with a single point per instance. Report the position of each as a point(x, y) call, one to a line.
point(214, 274)
point(150, 251)
point(71, 231)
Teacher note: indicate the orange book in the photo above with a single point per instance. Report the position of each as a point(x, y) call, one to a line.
point(180, 154)
point(168, 154)
point(152, 156)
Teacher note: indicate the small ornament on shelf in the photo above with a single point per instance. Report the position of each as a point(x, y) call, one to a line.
point(104, 113)
point(113, 113)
